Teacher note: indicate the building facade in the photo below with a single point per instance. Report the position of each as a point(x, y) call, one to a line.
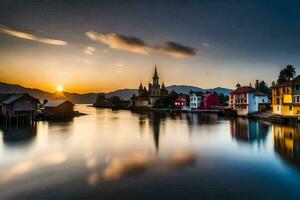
point(148, 98)
point(59, 109)
point(195, 100)
point(286, 98)
point(210, 100)
point(181, 102)
point(245, 100)
point(18, 105)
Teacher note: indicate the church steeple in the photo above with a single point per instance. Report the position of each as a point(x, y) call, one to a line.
point(163, 87)
point(141, 86)
point(155, 77)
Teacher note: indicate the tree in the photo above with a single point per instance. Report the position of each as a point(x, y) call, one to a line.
point(263, 87)
point(289, 72)
point(167, 101)
point(273, 84)
point(115, 100)
point(286, 74)
point(223, 100)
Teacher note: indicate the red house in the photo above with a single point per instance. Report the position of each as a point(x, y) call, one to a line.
point(210, 100)
point(180, 102)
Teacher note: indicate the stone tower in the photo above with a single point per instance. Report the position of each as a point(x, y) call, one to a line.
point(154, 88)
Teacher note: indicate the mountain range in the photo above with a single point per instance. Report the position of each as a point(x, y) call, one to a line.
point(89, 98)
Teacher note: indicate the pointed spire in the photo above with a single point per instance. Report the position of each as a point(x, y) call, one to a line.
point(163, 85)
point(141, 86)
point(155, 73)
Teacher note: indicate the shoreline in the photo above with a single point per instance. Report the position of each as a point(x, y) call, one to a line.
point(269, 117)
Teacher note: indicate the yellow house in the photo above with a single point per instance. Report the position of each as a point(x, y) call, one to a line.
point(286, 98)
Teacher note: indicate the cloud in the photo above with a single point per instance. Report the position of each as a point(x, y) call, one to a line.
point(137, 45)
point(177, 50)
point(119, 65)
point(116, 41)
point(12, 32)
point(205, 44)
point(89, 50)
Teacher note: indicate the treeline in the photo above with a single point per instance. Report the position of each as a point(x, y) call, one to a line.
point(286, 74)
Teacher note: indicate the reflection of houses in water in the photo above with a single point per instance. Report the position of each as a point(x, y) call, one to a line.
point(15, 135)
point(201, 118)
point(249, 131)
point(287, 142)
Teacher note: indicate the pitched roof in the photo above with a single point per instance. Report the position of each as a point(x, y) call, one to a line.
point(296, 79)
point(3, 97)
point(248, 89)
point(14, 97)
point(55, 103)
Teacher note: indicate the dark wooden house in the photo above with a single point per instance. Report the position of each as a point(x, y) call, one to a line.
point(59, 109)
point(18, 106)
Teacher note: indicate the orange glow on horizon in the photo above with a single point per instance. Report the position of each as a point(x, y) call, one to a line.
point(59, 88)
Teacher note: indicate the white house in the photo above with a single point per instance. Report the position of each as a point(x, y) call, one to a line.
point(247, 100)
point(195, 100)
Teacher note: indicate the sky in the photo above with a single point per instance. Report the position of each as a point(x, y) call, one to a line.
point(101, 46)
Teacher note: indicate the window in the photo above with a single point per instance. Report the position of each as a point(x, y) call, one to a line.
point(290, 108)
point(297, 87)
point(277, 108)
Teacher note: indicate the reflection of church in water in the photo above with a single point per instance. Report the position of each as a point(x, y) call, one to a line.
point(287, 143)
point(154, 119)
point(147, 98)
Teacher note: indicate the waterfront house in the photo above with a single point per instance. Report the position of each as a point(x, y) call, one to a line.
point(180, 102)
point(286, 98)
point(246, 99)
point(59, 109)
point(195, 100)
point(18, 105)
point(210, 100)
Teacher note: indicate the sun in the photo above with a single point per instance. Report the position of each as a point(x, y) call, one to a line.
point(59, 88)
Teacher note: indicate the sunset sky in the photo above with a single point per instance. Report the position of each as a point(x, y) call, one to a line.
point(93, 46)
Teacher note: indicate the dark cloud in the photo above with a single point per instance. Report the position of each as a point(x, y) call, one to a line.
point(177, 50)
point(137, 45)
point(117, 41)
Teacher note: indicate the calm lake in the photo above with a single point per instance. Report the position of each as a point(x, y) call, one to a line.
point(124, 155)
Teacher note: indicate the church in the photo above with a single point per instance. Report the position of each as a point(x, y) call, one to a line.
point(147, 98)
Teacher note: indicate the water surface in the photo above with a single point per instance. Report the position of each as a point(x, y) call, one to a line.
point(123, 155)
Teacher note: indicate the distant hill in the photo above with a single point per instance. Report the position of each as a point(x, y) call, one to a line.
point(90, 98)
point(122, 93)
point(40, 94)
point(186, 88)
point(221, 90)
